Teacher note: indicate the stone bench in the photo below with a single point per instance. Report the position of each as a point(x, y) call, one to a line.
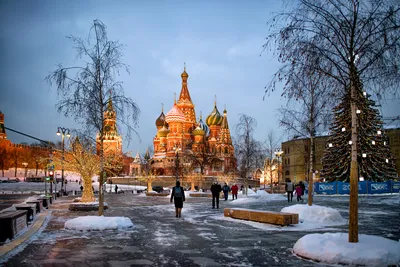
point(30, 208)
point(12, 223)
point(38, 203)
point(271, 217)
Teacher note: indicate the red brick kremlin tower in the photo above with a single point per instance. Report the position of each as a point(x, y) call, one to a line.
point(112, 140)
point(179, 132)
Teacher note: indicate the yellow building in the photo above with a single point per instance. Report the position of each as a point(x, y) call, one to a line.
point(296, 158)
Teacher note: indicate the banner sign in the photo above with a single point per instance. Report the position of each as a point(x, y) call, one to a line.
point(326, 188)
point(395, 187)
point(379, 188)
point(364, 187)
point(344, 188)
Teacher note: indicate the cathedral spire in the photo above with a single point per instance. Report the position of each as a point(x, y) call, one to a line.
point(184, 96)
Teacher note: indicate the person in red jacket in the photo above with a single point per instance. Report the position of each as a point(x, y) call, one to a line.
point(234, 190)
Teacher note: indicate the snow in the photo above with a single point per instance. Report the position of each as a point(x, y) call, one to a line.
point(90, 223)
point(334, 248)
point(256, 197)
point(316, 214)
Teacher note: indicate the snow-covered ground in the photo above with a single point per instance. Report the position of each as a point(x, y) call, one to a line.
point(334, 248)
point(93, 223)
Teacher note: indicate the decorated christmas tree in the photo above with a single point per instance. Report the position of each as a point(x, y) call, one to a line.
point(375, 161)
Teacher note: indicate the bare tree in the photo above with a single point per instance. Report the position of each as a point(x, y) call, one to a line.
point(247, 148)
point(354, 44)
point(86, 90)
point(271, 144)
point(308, 110)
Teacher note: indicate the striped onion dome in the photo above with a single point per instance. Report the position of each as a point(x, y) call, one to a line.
point(204, 126)
point(163, 132)
point(198, 131)
point(175, 115)
point(214, 118)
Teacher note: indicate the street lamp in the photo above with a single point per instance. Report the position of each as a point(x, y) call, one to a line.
point(62, 131)
point(177, 149)
point(25, 164)
point(278, 153)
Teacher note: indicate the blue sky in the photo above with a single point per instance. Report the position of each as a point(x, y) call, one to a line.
point(220, 41)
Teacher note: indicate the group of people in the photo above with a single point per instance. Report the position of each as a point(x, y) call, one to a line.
point(178, 195)
point(298, 189)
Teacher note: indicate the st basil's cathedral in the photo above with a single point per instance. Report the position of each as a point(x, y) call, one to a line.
point(181, 139)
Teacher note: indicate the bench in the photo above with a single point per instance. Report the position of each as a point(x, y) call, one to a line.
point(12, 223)
point(30, 208)
point(271, 217)
point(38, 203)
point(46, 201)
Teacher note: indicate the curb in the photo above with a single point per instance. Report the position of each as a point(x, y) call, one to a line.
point(6, 248)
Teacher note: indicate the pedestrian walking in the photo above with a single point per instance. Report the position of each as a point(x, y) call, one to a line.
point(178, 195)
point(303, 187)
point(226, 190)
point(215, 190)
point(116, 189)
point(299, 192)
point(234, 190)
point(289, 187)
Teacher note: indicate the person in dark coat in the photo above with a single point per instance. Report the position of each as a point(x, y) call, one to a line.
point(215, 190)
point(226, 190)
point(116, 189)
point(178, 195)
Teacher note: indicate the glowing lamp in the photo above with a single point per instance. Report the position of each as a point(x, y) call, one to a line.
point(379, 132)
point(361, 179)
point(343, 129)
point(364, 93)
point(364, 155)
point(350, 142)
point(358, 111)
point(387, 161)
point(330, 145)
point(373, 142)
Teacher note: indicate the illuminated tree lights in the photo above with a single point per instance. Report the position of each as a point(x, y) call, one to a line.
point(375, 161)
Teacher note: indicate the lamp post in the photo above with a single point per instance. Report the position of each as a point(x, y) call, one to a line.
point(278, 153)
point(62, 131)
point(25, 164)
point(177, 149)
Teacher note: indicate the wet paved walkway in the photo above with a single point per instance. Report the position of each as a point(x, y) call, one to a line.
point(202, 237)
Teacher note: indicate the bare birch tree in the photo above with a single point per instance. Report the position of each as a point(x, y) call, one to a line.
point(354, 44)
point(86, 90)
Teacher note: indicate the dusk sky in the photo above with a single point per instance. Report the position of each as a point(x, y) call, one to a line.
point(220, 41)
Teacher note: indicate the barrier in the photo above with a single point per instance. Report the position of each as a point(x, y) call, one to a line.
point(364, 187)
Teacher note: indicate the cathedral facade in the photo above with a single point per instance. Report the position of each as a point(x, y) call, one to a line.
point(184, 143)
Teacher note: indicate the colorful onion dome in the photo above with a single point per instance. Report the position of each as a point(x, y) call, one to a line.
point(204, 126)
point(175, 115)
point(198, 131)
point(214, 118)
point(184, 73)
point(161, 120)
point(163, 132)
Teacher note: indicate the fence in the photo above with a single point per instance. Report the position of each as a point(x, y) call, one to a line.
point(364, 187)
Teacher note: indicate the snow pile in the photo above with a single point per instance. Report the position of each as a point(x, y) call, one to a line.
point(316, 214)
point(256, 197)
point(89, 223)
point(334, 248)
